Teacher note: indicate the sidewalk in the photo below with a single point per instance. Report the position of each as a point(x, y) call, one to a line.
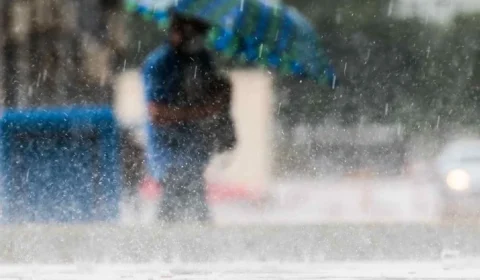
point(347, 200)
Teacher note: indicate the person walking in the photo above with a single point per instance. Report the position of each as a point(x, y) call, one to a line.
point(189, 118)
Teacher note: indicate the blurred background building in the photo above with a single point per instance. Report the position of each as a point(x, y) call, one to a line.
point(60, 52)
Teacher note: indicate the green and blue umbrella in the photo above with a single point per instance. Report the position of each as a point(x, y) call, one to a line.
point(260, 32)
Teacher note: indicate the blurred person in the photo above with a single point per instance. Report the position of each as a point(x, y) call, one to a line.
point(188, 118)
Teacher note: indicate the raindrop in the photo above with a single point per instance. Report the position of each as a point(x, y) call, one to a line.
point(242, 3)
point(139, 45)
point(38, 80)
point(428, 52)
point(124, 65)
point(438, 123)
point(195, 73)
point(390, 8)
point(345, 69)
point(334, 81)
point(386, 109)
point(338, 18)
point(368, 56)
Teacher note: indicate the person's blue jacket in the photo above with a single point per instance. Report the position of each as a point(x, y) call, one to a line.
point(165, 74)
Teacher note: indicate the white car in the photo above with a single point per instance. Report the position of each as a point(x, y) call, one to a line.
point(458, 170)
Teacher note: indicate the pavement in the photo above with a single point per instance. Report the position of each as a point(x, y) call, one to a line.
point(207, 244)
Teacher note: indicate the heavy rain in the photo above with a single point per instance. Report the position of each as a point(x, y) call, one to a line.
point(240, 139)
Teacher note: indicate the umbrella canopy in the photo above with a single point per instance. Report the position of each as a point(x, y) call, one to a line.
point(260, 32)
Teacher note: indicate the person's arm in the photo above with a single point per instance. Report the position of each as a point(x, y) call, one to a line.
point(155, 73)
point(163, 114)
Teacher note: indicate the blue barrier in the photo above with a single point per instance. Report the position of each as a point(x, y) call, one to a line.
point(59, 165)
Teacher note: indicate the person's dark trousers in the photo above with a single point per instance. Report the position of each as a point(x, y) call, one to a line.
point(184, 195)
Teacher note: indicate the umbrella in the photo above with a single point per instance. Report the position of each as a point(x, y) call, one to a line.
point(260, 32)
